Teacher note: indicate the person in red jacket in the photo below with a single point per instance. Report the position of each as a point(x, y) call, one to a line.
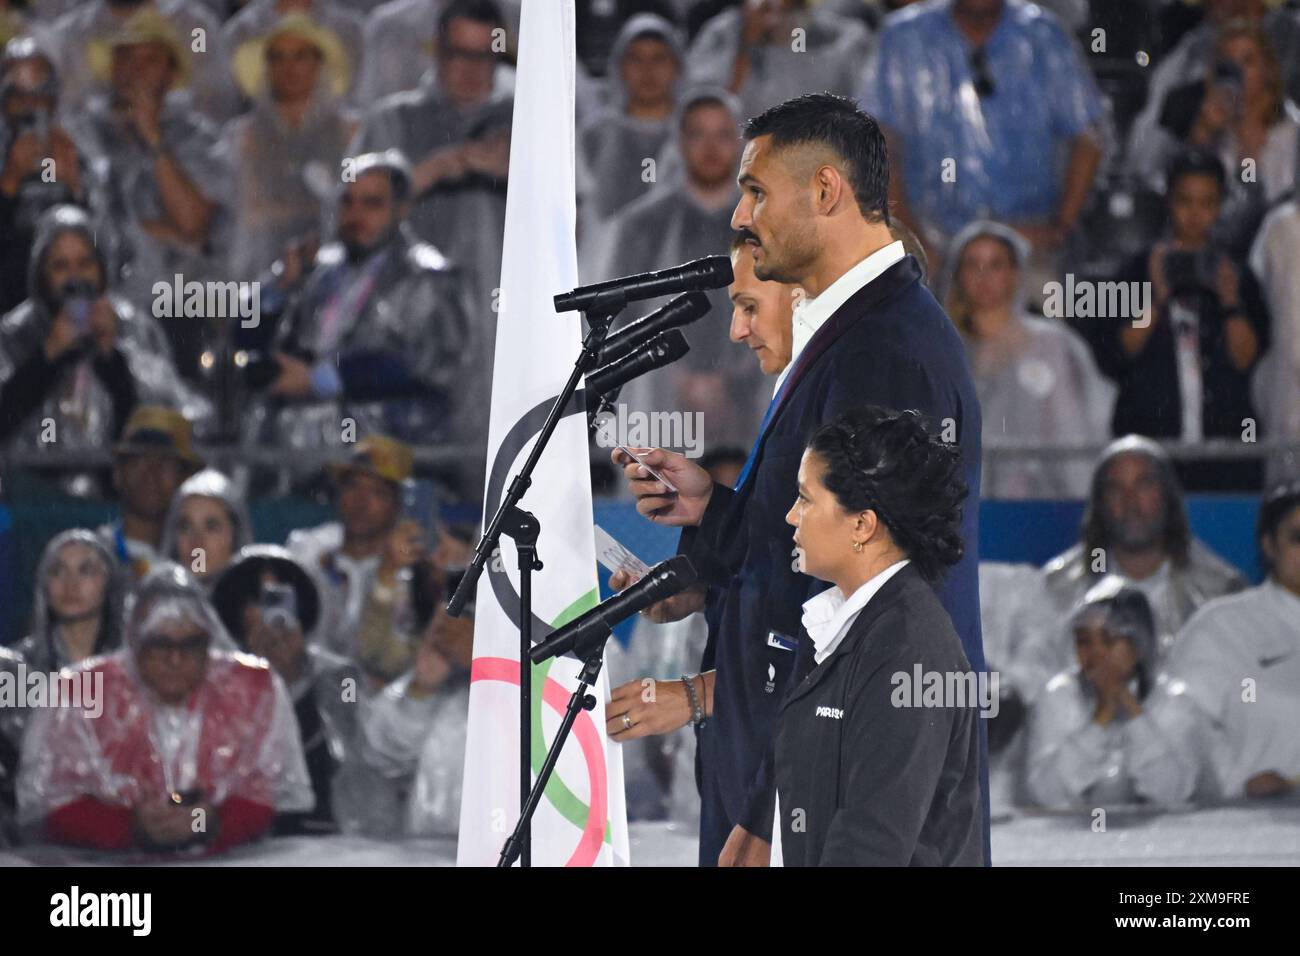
point(178, 744)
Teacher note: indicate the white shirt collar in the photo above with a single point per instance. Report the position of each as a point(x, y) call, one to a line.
point(828, 616)
point(811, 314)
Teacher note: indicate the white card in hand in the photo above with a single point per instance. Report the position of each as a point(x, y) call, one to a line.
point(615, 557)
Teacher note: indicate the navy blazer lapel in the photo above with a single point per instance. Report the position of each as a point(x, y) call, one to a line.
point(856, 308)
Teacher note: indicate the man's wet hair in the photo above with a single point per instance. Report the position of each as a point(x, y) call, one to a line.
point(835, 123)
point(886, 461)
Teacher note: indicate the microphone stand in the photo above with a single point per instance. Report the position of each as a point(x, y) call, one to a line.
point(592, 653)
point(524, 529)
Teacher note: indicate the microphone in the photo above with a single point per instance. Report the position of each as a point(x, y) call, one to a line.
point(711, 272)
point(682, 311)
point(664, 349)
point(662, 581)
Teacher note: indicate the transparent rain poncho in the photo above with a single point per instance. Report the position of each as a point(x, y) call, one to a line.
point(235, 737)
point(208, 483)
point(1037, 381)
point(43, 649)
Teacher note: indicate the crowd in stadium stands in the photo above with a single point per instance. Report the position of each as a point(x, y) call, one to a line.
point(272, 230)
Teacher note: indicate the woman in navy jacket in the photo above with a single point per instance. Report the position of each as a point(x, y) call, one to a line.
point(877, 749)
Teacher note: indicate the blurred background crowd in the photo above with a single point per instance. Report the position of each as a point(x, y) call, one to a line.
point(248, 265)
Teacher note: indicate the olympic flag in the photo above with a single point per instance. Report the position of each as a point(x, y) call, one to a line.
point(582, 820)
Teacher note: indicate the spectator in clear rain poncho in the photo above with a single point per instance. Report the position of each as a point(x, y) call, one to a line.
point(212, 93)
point(404, 777)
point(40, 165)
point(285, 153)
point(1036, 379)
point(687, 216)
point(365, 560)
point(376, 333)
point(767, 51)
point(991, 113)
point(1134, 527)
point(1239, 110)
point(1149, 140)
point(271, 605)
point(77, 353)
point(207, 524)
point(401, 46)
point(1275, 386)
point(78, 608)
point(197, 748)
point(150, 463)
point(77, 614)
point(162, 170)
point(1240, 658)
point(1108, 730)
point(337, 18)
point(455, 129)
point(613, 145)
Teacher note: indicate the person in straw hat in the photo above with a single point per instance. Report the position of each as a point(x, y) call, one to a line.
point(365, 559)
point(92, 22)
point(162, 171)
point(286, 150)
point(338, 18)
point(151, 461)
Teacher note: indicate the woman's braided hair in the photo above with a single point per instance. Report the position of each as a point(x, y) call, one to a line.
point(885, 461)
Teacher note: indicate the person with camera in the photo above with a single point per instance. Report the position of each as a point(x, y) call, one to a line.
point(271, 606)
point(40, 165)
point(76, 357)
point(1239, 110)
point(1183, 365)
point(367, 560)
point(61, 357)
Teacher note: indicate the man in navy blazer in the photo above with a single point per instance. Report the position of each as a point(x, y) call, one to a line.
point(815, 182)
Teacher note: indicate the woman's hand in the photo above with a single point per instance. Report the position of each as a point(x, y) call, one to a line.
point(646, 707)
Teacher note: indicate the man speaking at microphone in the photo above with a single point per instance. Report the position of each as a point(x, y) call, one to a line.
point(815, 181)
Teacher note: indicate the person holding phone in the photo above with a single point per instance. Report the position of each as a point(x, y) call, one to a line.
point(1246, 118)
point(40, 165)
point(271, 605)
point(60, 355)
point(867, 775)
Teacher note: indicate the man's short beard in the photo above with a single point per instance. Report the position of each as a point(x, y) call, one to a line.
point(801, 253)
point(358, 252)
point(1151, 539)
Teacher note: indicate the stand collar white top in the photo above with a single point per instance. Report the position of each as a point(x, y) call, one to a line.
point(828, 616)
point(811, 314)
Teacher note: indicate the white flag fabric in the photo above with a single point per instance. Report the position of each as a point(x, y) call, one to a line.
point(582, 820)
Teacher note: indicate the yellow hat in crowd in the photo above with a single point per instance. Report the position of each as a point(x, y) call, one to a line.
point(249, 62)
point(145, 26)
point(155, 430)
point(379, 456)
